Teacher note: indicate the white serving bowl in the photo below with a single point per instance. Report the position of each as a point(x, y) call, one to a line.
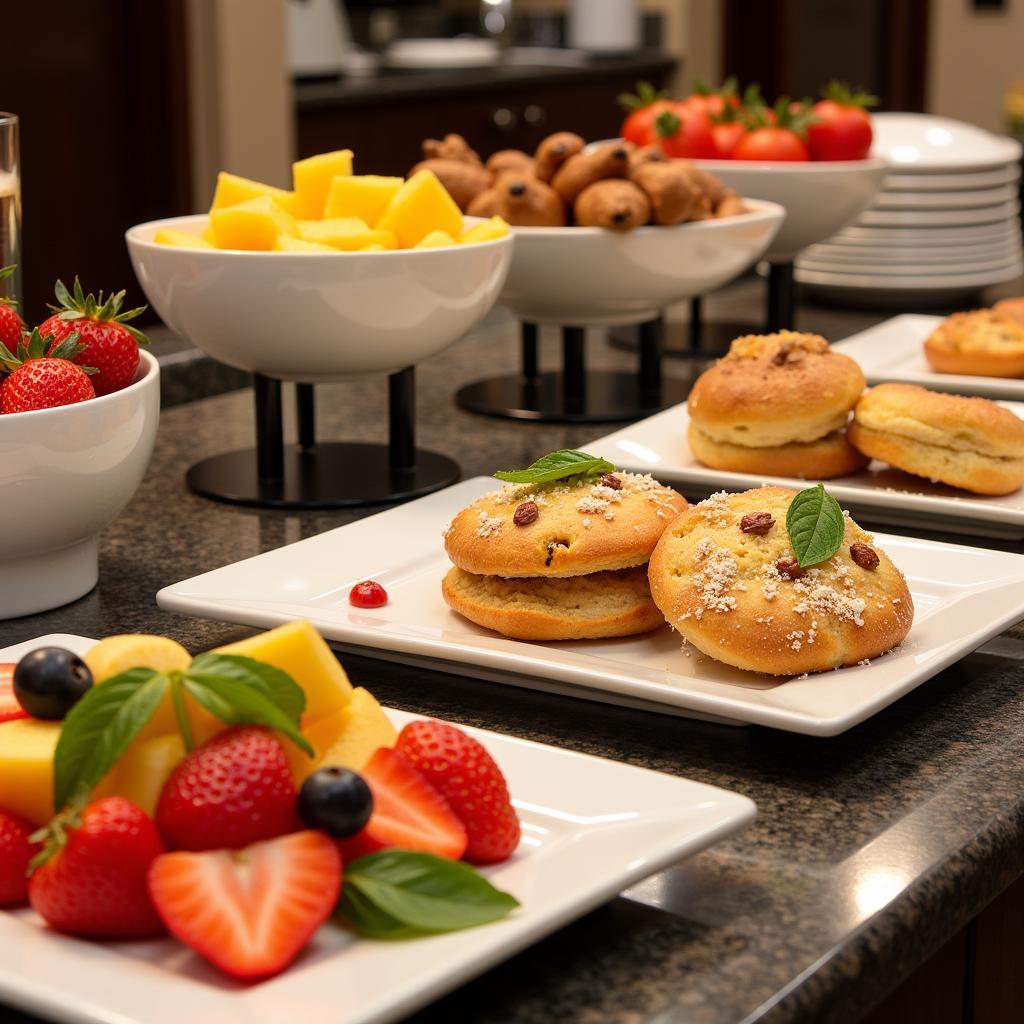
point(926, 144)
point(65, 474)
point(819, 197)
point(592, 276)
point(315, 317)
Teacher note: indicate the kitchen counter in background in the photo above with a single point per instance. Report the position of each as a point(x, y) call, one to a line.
point(873, 851)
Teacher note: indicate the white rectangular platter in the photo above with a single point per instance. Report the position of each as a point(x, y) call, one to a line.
point(658, 445)
point(963, 596)
point(591, 828)
point(894, 351)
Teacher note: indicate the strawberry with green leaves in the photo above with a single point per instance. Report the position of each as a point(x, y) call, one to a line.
point(11, 327)
point(41, 374)
point(109, 342)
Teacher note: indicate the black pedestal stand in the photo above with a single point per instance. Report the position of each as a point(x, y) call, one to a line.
point(311, 475)
point(577, 395)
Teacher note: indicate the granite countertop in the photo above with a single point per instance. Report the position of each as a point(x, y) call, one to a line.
point(870, 850)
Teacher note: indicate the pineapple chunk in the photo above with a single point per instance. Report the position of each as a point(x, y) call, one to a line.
point(233, 189)
point(322, 736)
point(312, 178)
point(26, 768)
point(208, 235)
point(140, 774)
point(485, 232)
point(254, 224)
point(365, 196)
point(345, 233)
point(285, 243)
point(364, 730)
point(183, 239)
point(435, 240)
point(420, 206)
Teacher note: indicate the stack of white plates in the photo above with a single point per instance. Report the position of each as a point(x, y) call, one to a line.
point(945, 225)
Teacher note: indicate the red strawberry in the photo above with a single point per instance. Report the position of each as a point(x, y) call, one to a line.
point(407, 812)
point(16, 852)
point(94, 882)
point(109, 342)
point(11, 327)
point(234, 790)
point(41, 381)
point(459, 768)
point(249, 912)
point(9, 706)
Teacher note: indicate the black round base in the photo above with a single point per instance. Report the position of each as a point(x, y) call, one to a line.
point(608, 397)
point(714, 341)
point(332, 475)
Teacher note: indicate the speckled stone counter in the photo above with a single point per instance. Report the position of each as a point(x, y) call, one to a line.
point(870, 850)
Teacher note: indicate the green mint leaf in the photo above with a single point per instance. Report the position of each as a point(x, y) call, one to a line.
point(274, 682)
point(398, 892)
point(816, 525)
point(557, 466)
point(98, 729)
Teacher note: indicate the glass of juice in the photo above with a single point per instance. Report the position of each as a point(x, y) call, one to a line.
point(10, 205)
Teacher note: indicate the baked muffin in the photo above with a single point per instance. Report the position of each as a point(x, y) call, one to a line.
point(777, 404)
point(725, 576)
point(561, 561)
point(964, 442)
point(1012, 307)
point(985, 342)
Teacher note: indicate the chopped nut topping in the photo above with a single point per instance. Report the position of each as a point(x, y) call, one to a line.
point(612, 481)
point(526, 513)
point(864, 556)
point(790, 568)
point(757, 522)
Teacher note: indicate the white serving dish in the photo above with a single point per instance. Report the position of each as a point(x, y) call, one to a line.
point(891, 199)
point(593, 276)
point(925, 144)
point(915, 283)
point(65, 474)
point(910, 182)
point(899, 237)
point(963, 596)
point(591, 829)
point(868, 260)
point(658, 445)
point(314, 317)
point(814, 264)
point(443, 54)
point(996, 214)
point(894, 351)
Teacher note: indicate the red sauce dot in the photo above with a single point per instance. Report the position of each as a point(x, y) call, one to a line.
point(368, 594)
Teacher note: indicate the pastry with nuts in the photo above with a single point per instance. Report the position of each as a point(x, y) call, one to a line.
point(971, 443)
point(985, 342)
point(779, 582)
point(777, 404)
point(559, 552)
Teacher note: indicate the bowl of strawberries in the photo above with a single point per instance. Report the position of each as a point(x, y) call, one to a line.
point(79, 406)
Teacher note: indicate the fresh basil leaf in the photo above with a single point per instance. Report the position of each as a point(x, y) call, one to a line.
point(361, 914)
point(98, 729)
point(274, 682)
point(421, 892)
point(239, 703)
point(557, 466)
point(815, 524)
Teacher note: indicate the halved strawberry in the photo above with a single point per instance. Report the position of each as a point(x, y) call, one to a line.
point(407, 812)
point(249, 912)
point(9, 706)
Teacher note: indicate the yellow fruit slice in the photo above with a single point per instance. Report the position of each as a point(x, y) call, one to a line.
point(488, 231)
point(312, 178)
point(208, 235)
point(285, 243)
point(435, 240)
point(420, 206)
point(254, 224)
point(26, 768)
point(233, 189)
point(322, 736)
point(182, 239)
point(365, 196)
point(142, 771)
point(365, 729)
point(347, 233)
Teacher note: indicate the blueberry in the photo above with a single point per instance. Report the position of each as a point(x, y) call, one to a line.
point(336, 801)
point(50, 681)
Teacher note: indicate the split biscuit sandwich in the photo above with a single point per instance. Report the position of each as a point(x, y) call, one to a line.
point(984, 342)
point(777, 404)
point(560, 551)
point(779, 582)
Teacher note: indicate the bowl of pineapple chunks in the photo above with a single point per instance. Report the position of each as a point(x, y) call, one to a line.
point(341, 276)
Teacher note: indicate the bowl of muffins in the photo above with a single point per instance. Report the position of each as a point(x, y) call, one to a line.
point(608, 234)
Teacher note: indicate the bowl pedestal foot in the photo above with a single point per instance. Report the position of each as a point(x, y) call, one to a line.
point(318, 475)
point(41, 582)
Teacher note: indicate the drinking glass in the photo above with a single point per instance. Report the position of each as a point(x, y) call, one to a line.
point(10, 205)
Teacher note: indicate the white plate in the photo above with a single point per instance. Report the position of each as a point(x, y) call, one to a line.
point(855, 260)
point(923, 143)
point(891, 199)
point(900, 270)
point(865, 249)
point(963, 596)
point(414, 54)
point(909, 182)
point(921, 282)
point(894, 350)
point(591, 828)
point(995, 214)
point(927, 236)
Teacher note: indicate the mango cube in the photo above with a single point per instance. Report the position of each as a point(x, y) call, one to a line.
point(321, 736)
point(312, 178)
point(347, 233)
point(365, 196)
point(364, 730)
point(420, 206)
point(487, 231)
point(435, 240)
point(142, 771)
point(26, 768)
point(285, 243)
point(233, 189)
point(183, 239)
point(254, 224)
point(208, 235)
